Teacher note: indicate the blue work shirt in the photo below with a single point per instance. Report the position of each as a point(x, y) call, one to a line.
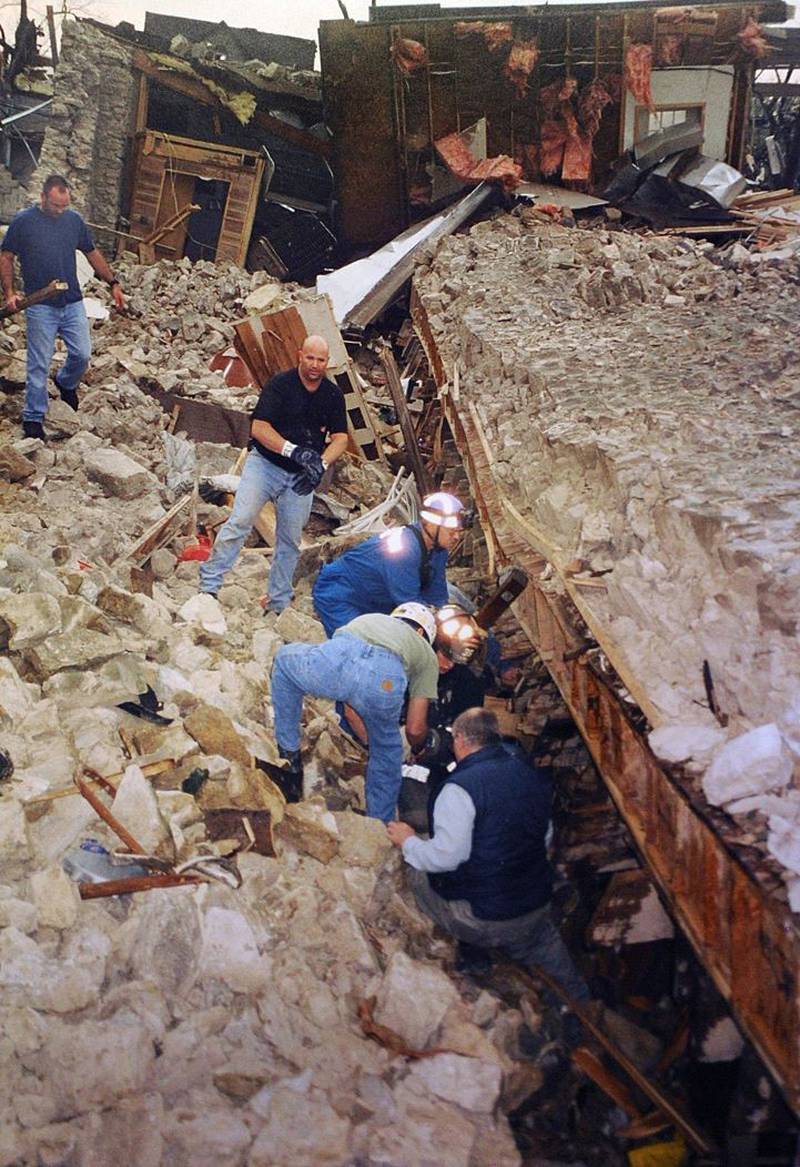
point(376, 576)
point(46, 246)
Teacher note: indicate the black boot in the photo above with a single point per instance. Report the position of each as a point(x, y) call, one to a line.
point(290, 780)
point(33, 429)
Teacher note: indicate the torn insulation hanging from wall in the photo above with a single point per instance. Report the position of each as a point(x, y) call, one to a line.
point(408, 55)
point(638, 72)
point(463, 164)
point(495, 33)
point(752, 40)
point(520, 64)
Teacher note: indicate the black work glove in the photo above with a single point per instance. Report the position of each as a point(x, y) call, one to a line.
point(310, 464)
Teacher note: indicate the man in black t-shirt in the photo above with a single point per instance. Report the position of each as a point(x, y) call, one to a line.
point(296, 412)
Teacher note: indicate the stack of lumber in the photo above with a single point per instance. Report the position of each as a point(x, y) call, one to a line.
point(773, 214)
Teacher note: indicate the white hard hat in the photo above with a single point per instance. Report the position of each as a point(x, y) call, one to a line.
point(442, 510)
point(418, 614)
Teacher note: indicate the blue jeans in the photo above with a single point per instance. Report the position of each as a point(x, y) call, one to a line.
point(370, 679)
point(532, 939)
point(44, 324)
point(262, 481)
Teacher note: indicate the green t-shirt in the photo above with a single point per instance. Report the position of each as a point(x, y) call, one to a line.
point(419, 659)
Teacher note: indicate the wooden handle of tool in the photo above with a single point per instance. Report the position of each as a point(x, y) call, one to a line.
point(134, 883)
point(52, 289)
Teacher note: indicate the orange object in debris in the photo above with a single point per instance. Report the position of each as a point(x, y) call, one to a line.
point(198, 552)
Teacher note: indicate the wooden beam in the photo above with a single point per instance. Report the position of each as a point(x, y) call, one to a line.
point(412, 452)
point(193, 87)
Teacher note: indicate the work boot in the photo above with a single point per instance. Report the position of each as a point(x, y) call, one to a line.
point(68, 396)
point(33, 429)
point(290, 781)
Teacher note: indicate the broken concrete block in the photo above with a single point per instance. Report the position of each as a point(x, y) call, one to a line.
point(311, 828)
point(162, 563)
point(19, 914)
point(81, 649)
point(136, 806)
point(204, 1134)
point(230, 952)
point(262, 299)
point(62, 420)
point(56, 897)
point(322, 1138)
point(118, 474)
point(27, 618)
point(29, 977)
point(294, 625)
point(215, 733)
point(678, 743)
point(15, 849)
point(111, 1060)
point(364, 842)
point(752, 763)
point(783, 842)
point(253, 790)
point(266, 643)
point(471, 1083)
point(413, 999)
point(206, 611)
point(16, 696)
point(167, 940)
point(15, 467)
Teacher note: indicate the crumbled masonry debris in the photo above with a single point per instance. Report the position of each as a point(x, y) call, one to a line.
point(182, 1024)
point(639, 397)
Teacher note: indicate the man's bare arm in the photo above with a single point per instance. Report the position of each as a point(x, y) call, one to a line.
point(101, 268)
point(12, 298)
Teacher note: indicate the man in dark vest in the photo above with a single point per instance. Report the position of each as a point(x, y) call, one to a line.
point(483, 875)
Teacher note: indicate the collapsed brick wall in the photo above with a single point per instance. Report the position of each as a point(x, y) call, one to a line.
point(640, 403)
point(95, 93)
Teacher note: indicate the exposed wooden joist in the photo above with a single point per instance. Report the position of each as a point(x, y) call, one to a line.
point(194, 88)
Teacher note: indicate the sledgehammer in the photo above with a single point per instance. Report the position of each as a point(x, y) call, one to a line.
point(52, 289)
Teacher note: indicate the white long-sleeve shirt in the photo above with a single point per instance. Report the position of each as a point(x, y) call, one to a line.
point(451, 844)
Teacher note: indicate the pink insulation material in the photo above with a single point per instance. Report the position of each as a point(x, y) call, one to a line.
point(408, 55)
point(638, 71)
point(495, 33)
point(752, 40)
point(520, 64)
point(464, 165)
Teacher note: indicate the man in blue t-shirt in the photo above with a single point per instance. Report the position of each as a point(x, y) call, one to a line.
point(45, 239)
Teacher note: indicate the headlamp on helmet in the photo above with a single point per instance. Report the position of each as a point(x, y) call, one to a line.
point(458, 637)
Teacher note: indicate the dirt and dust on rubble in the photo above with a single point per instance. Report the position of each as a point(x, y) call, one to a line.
point(188, 1024)
point(192, 1024)
point(639, 395)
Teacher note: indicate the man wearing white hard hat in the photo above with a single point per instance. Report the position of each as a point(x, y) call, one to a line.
point(399, 565)
point(368, 664)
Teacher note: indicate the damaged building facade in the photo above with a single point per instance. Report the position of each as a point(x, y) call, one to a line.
point(209, 155)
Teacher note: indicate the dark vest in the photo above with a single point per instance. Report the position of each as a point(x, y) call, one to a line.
point(507, 873)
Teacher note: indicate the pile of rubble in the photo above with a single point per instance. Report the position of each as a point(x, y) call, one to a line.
point(638, 397)
point(192, 1024)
